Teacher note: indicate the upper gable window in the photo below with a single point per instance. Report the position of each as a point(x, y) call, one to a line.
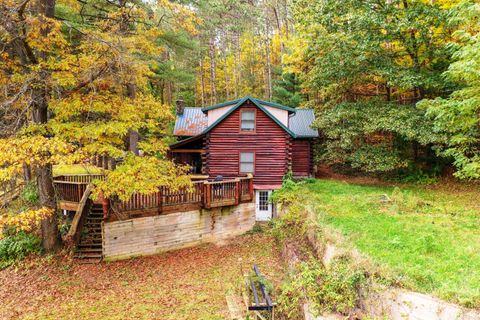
point(247, 120)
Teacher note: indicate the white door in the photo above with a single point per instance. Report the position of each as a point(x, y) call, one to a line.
point(263, 205)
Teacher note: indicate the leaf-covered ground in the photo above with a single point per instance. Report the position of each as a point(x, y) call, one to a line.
point(184, 284)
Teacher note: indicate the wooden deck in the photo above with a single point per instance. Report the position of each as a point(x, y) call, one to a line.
point(202, 194)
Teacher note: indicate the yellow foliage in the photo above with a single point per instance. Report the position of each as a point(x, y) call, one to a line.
point(34, 150)
point(142, 175)
point(86, 79)
point(25, 221)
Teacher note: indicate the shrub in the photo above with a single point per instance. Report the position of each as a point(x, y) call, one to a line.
point(30, 194)
point(17, 247)
point(328, 289)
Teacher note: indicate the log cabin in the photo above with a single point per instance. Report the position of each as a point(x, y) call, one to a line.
point(241, 149)
point(242, 137)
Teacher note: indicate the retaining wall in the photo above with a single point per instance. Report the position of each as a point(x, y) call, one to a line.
point(151, 235)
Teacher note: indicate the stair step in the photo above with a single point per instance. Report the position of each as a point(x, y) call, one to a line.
point(93, 229)
point(92, 235)
point(93, 226)
point(89, 245)
point(89, 250)
point(95, 236)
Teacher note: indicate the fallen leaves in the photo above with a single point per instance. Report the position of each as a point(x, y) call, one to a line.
point(184, 284)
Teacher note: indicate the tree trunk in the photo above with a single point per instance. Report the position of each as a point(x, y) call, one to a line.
point(225, 71)
point(202, 79)
point(280, 33)
point(269, 70)
point(27, 173)
point(238, 65)
point(133, 135)
point(49, 226)
point(213, 70)
point(235, 74)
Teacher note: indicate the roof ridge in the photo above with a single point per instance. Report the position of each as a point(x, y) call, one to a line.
point(248, 97)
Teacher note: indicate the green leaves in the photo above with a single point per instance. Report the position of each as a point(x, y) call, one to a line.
point(459, 114)
point(374, 136)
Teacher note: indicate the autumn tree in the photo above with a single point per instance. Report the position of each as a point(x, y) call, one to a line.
point(76, 82)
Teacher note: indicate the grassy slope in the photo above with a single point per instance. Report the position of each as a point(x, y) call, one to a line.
point(183, 284)
point(429, 237)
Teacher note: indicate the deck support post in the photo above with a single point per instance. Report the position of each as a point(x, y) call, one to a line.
point(250, 186)
point(208, 195)
point(160, 200)
point(237, 192)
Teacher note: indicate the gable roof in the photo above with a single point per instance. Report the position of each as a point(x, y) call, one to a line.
point(195, 122)
point(256, 103)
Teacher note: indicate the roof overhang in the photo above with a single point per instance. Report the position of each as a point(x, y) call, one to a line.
point(186, 141)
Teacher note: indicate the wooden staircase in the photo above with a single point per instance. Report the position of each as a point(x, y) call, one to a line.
point(90, 246)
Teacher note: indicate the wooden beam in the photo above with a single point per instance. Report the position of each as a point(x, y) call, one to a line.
point(188, 150)
point(67, 205)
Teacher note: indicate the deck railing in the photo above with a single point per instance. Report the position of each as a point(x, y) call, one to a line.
point(163, 199)
point(69, 191)
point(202, 194)
point(81, 178)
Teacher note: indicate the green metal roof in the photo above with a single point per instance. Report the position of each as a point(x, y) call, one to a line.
point(262, 102)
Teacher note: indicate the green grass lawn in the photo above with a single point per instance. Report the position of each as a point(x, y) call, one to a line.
point(428, 236)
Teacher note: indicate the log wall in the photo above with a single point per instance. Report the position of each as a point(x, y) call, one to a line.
point(151, 235)
point(301, 158)
point(269, 142)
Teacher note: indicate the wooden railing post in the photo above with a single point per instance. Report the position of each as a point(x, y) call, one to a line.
point(238, 191)
point(208, 195)
point(250, 186)
point(79, 192)
point(160, 200)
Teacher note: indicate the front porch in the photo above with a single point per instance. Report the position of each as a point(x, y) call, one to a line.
point(189, 152)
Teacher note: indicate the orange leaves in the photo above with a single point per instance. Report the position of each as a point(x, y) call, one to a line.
point(45, 35)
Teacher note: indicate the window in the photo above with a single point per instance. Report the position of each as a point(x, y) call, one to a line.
point(247, 162)
point(263, 200)
point(247, 120)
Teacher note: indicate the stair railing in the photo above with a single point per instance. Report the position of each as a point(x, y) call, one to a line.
point(72, 238)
